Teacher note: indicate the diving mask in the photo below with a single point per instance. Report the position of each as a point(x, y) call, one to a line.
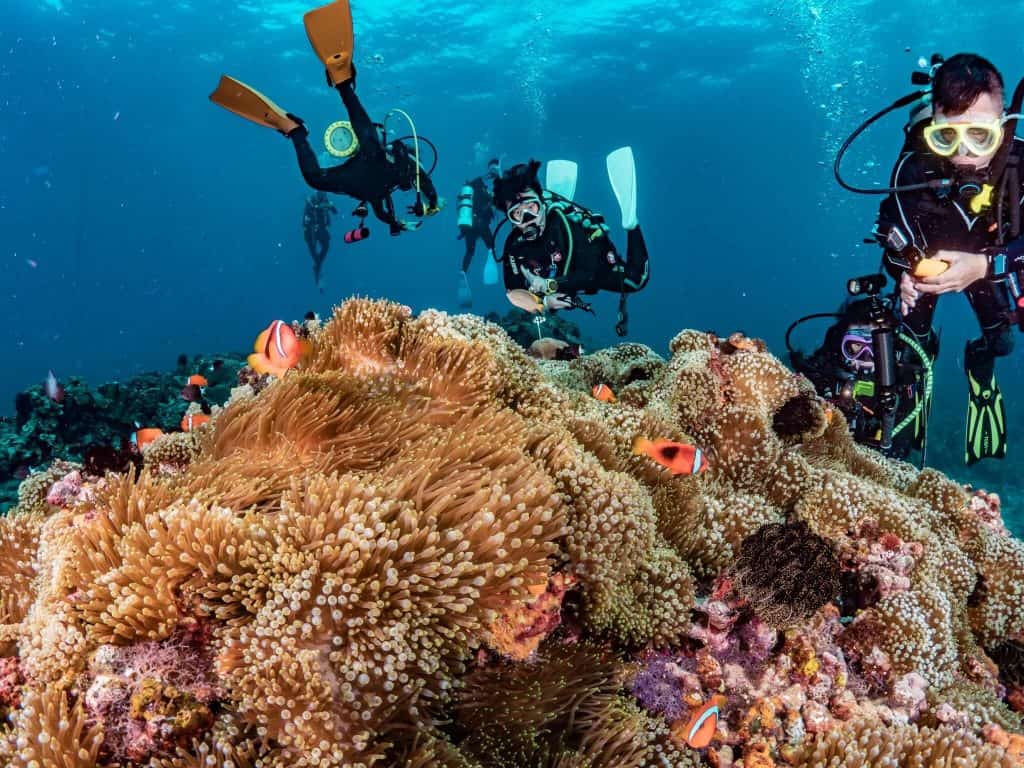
point(525, 211)
point(980, 139)
point(857, 348)
point(527, 214)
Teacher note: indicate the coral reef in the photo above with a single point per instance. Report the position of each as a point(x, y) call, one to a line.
point(96, 421)
point(423, 547)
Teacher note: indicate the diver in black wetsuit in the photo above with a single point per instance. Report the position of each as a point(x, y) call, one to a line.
point(373, 173)
point(316, 223)
point(957, 228)
point(482, 215)
point(476, 215)
point(559, 249)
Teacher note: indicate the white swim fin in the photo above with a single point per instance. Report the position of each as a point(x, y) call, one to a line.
point(622, 174)
point(490, 269)
point(561, 178)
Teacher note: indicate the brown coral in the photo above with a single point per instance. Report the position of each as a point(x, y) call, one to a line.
point(54, 733)
point(786, 573)
point(865, 744)
point(350, 534)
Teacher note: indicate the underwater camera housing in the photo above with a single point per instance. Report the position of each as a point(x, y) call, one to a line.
point(883, 337)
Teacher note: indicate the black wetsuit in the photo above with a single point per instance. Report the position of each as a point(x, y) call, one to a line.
point(483, 217)
point(316, 222)
point(373, 173)
point(930, 223)
point(576, 251)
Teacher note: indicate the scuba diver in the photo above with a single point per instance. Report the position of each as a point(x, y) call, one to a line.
point(871, 370)
point(475, 216)
point(316, 223)
point(559, 249)
point(951, 223)
point(375, 166)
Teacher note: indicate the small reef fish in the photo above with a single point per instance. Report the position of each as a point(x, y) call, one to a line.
point(143, 437)
point(603, 393)
point(525, 300)
point(53, 388)
point(277, 350)
point(678, 458)
point(699, 730)
point(197, 380)
point(192, 420)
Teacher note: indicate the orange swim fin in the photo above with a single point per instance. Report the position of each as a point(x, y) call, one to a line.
point(235, 96)
point(329, 29)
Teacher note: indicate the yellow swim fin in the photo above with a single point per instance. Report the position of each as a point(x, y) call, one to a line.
point(235, 96)
point(329, 29)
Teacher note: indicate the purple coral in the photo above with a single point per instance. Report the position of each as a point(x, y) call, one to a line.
point(662, 682)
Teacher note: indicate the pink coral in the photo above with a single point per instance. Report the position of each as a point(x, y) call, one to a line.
point(152, 696)
point(909, 695)
point(817, 718)
point(949, 715)
point(11, 681)
point(988, 508)
point(715, 626)
point(65, 490)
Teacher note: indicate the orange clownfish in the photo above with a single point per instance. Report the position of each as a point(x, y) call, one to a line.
point(198, 379)
point(699, 730)
point(142, 437)
point(603, 393)
point(192, 420)
point(277, 349)
point(678, 458)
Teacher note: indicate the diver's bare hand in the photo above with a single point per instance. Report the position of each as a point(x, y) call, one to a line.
point(964, 269)
point(908, 293)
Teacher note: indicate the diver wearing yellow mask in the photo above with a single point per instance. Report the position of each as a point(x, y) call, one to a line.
point(953, 208)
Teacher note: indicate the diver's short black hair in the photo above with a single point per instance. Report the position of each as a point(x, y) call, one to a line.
point(493, 161)
point(515, 181)
point(963, 78)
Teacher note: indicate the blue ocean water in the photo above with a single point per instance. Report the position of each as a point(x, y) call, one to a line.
point(140, 221)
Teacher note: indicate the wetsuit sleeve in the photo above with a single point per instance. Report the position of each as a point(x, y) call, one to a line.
point(334, 179)
point(899, 218)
